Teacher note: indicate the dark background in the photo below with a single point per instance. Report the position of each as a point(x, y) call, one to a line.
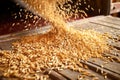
point(8, 8)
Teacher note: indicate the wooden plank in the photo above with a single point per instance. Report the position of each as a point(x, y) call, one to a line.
point(100, 77)
point(101, 70)
point(106, 24)
point(100, 28)
point(116, 45)
point(69, 74)
point(7, 40)
point(54, 75)
point(110, 19)
point(6, 45)
point(72, 75)
point(18, 35)
point(107, 20)
point(111, 66)
point(113, 18)
point(115, 7)
point(113, 57)
point(115, 52)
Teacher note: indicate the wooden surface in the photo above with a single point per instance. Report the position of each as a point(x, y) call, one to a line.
point(103, 24)
point(115, 8)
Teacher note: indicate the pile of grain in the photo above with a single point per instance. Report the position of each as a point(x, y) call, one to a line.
point(52, 50)
point(60, 48)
